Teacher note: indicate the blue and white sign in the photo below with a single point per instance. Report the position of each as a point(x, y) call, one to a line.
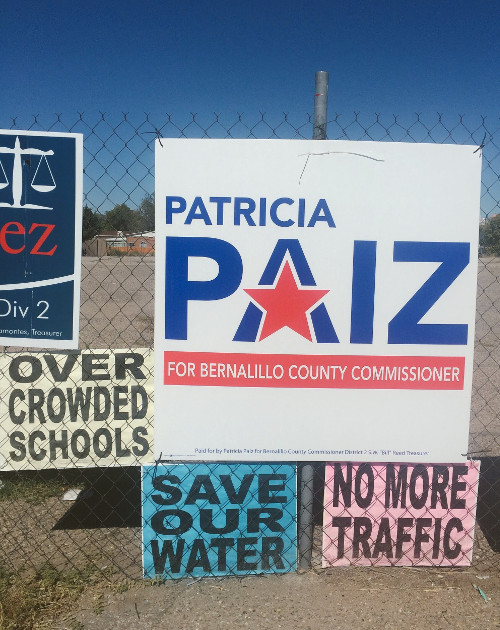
point(314, 300)
point(40, 238)
point(219, 519)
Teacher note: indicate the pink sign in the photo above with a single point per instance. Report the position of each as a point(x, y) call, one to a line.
point(399, 514)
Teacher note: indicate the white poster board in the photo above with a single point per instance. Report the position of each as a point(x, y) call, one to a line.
point(76, 409)
point(314, 300)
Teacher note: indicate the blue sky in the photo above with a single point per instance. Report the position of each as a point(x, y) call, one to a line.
point(63, 56)
point(239, 57)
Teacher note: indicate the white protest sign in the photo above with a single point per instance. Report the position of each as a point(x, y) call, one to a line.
point(78, 409)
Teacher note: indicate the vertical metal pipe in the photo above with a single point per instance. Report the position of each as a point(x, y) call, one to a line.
point(306, 522)
point(320, 105)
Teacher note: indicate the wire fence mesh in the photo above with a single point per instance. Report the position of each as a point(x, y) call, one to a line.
point(76, 426)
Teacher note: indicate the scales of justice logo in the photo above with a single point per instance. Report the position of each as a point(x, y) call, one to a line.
point(43, 179)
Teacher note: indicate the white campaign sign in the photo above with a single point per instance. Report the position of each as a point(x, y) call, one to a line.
point(314, 300)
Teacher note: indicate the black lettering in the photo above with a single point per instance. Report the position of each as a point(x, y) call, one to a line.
point(383, 543)
point(34, 454)
point(36, 398)
point(396, 489)
point(266, 488)
point(138, 412)
point(167, 552)
point(101, 392)
point(80, 434)
point(102, 450)
point(120, 451)
point(416, 501)
point(342, 522)
point(454, 523)
point(60, 375)
point(439, 487)
point(15, 371)
point(196, 494)
point(458, 486)
point(51, 407)
point(269, 517)
point(272, 547)
point(361, 537)
point(207, 522)
point(128, 362)
point(119, 401)
point(198, 557)
point(15, 442)
point(345, 486)
point(143, 448)
point(421, 536)
point(233, 496)
point(55, 444)
point(402, 536)
point(16, 418)
point(158, 522)
point(79, 405)
point(243, 552)
point(364, 502)
point(91, 363)
point(222, 545)
point(437, 538)
point(175, 493)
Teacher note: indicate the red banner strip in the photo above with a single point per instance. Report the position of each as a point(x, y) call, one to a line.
point(313, 371)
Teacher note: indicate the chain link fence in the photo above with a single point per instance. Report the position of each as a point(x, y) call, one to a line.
point(72, 446)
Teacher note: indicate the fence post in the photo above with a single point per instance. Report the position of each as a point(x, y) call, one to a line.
point(306, 524)
point(320, 105)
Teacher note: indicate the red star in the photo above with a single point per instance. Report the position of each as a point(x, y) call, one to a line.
point(286, 305)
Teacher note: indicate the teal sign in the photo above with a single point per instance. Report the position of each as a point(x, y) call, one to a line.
point(219, 519)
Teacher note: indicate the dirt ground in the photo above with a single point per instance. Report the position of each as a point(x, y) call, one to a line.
point(57, 531)
point(352, 598)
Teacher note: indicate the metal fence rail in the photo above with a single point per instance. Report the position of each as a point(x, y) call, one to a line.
point(40, 520)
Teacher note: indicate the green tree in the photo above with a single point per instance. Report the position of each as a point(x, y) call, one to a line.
point(122, 218)
point(91, 223)
point(489, 235)
point(147, 213)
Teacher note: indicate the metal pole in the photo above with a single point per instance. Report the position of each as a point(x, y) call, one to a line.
point(320, 105)
point(306, 524)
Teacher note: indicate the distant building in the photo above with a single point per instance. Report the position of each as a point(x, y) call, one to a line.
point(118, 243)
point(142, 243)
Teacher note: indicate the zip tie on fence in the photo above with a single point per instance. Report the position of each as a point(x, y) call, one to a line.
point(481, 146)
point(158, 135)
point(471, 455)
point(157, 461)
